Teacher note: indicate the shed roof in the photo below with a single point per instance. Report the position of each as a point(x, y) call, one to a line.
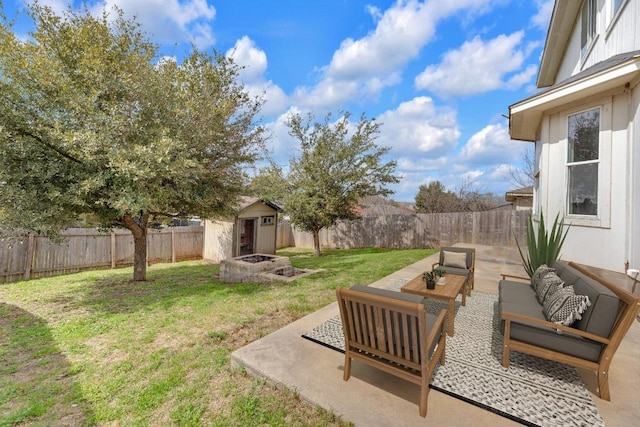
point(246, 201)
point(519, 193)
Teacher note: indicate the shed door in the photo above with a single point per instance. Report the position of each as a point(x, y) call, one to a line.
point(247, 241)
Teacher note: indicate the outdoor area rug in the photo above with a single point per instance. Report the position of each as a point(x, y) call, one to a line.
point(533, 391)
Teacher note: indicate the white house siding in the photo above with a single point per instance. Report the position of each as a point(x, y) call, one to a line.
point(633, 242)
point(613, 238)
point(604, 243)
point(621, 35)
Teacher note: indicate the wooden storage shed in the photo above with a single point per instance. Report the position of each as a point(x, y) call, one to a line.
point(252, 231)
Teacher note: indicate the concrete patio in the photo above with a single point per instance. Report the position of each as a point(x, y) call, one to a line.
point(373, 398)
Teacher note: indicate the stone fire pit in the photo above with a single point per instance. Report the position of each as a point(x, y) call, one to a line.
point(259, 268)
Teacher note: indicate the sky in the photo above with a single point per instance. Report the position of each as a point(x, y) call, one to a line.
point(439, 75)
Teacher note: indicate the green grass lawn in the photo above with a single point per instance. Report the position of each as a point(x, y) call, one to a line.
point(95, 348)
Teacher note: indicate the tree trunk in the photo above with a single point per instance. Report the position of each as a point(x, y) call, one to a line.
point(316, 242)
point(138, 227)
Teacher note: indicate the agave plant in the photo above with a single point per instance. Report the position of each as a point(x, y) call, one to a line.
point(543, 248)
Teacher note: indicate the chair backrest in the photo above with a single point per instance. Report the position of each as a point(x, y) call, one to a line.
point(471, 254)
point(389, 327)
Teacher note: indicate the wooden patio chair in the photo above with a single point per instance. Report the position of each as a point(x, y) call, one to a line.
point(451, 263)
point(392, 332)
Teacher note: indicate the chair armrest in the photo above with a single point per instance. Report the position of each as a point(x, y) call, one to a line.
point(511, 276)
point(438, 328)
point(508, 317)
point(433, 266)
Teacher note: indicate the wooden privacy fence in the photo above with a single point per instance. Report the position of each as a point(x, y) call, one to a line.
point(498, 228)
point(83, 249)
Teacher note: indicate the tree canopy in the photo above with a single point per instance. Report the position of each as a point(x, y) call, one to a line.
point(434, 198)
point(339, 164)
point(92, 121)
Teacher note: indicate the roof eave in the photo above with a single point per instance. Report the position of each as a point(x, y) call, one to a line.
point(525, 116)
point(561, 25)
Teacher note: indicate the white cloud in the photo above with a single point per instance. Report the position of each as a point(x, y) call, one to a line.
point(501, 172)
point(363, 67)
point(412, 164)
point(281, 145)
point(491, 146)
point(58, 6)
point(417, 126)
point(478, 67)
point(326, 94)
point(543, 17)
point(399, 35)
point(247, 55)
point(169, 20)
point(253, 61)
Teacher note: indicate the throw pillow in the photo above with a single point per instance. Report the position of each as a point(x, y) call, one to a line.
point(553, 290)
point(455, 259)
point(565, 307)
point(539, 274)
point(549, 280)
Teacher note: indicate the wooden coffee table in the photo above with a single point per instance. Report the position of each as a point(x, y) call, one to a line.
point(454, 285)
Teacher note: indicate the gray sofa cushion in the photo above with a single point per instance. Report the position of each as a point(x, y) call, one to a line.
point(601, 316)
point(454, 270)
point(517, 292)
point(568, 274)
point(548, 338)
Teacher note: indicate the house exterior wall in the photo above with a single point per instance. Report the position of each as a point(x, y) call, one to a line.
point(265, 233)
point(615, 34)
point(633, 166)
point(610, 238)
point(605, 241)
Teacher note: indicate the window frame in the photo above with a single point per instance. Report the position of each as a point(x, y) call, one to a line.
point(267, 220)
point(602, 219)
point(614, 13)
point(588, 26)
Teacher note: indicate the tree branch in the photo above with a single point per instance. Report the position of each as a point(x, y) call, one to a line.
point(49, 146)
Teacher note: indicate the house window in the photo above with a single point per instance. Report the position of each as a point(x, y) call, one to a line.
point(583, 162)
point(615, 6)
point(268, 220)
point(589, 14)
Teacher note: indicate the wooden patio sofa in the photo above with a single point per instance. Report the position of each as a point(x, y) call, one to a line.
point(393, 332)
point(590, 343)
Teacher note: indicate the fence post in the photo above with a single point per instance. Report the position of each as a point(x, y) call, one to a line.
point(29, 260)
point(113, 249)
point(173, 245)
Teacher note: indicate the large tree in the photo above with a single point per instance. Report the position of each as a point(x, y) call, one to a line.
point(434, 198)
point(93, 122)
point(339, 164)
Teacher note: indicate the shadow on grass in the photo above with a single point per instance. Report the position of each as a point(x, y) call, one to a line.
point(36, 380)
point(164, 288)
